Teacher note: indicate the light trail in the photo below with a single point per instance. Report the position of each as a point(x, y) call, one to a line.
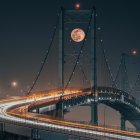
point(7, 114)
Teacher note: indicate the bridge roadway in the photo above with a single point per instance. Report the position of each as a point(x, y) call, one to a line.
point(121, 101)
point(16, 111)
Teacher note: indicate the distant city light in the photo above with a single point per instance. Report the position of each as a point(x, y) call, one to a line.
point(14, 84)
point(77, 6)
point(134, 52)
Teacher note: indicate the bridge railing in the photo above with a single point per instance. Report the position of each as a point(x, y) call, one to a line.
point(105, 126)
point(38, 128)
point(128, 96)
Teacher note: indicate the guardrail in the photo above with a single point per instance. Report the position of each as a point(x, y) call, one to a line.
point(105, 126)
point(37, 128)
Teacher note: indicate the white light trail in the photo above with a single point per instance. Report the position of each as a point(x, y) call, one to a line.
point(4, 115)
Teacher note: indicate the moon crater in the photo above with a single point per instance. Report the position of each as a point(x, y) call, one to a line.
point(77, 35)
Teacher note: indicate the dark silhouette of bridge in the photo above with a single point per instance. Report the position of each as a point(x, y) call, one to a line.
point(85, 61)
point(112, 91)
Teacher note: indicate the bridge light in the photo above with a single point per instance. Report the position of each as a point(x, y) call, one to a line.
point(134, 52)
point(77, 6)
point(88, 100)
point(99, 28)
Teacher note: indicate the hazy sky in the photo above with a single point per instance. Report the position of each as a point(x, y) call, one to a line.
point(26, 28)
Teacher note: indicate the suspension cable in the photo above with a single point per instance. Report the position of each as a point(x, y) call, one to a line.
point(118, 71)
point(46, 55)
point(82, 70)
point(136, 82)
point(126, 72)
point(106, 62)
point(80, 52)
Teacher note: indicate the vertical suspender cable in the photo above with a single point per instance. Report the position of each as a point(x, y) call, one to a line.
point(45, 58)
point(106, 62)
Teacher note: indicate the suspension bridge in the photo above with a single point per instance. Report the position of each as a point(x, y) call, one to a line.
point(40, 115)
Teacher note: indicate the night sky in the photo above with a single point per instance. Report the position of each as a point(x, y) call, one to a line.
point(26, 28)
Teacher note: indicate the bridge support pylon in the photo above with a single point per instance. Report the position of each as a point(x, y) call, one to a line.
point(94, 96)
point(37, 110)
point(59, 110)
point(122, 122)
point(94, 113)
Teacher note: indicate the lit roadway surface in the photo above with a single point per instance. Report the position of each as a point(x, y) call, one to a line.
point(15, 110)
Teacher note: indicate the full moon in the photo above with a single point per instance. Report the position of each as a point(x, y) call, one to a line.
point(77, 35)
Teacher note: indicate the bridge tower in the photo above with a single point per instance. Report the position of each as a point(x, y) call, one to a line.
point(123, 86)
point(124, 78)
point(69, 20)
point(94, 103)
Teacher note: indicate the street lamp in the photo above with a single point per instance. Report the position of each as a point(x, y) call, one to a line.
point(14, 84)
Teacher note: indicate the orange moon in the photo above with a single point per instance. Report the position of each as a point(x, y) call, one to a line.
point(77, 35)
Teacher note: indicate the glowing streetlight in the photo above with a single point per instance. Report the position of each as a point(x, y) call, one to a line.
point(14, 84)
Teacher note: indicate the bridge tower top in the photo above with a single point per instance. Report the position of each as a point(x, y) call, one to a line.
point(77, 37)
